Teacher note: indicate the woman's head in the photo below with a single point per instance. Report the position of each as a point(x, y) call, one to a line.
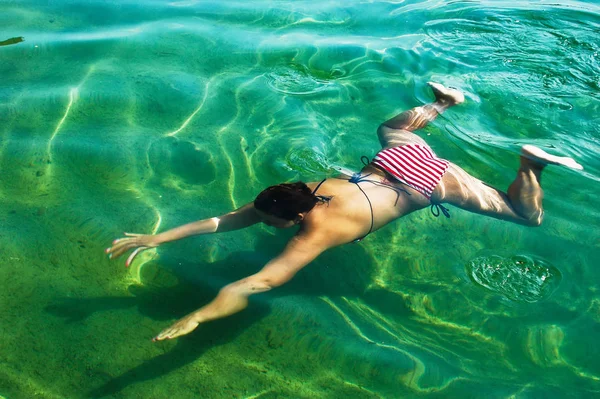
point(286, 201)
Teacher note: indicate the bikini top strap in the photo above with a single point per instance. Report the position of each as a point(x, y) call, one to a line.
point(319, 185)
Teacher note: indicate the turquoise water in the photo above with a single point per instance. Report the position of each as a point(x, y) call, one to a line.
point(141, 116)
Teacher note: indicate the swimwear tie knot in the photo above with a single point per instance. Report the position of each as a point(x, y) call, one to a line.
point(435, 210)
point(358, 178)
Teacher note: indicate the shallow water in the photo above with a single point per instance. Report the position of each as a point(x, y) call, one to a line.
point(140, 116)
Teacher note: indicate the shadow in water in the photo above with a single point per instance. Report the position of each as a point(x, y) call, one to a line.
point(156, 302)
point(188, 349)
point(161, 303)
point(341, 272)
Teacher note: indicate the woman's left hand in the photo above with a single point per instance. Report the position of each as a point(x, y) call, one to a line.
point(182, 327)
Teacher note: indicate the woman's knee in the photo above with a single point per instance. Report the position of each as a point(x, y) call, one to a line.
point(389, 137)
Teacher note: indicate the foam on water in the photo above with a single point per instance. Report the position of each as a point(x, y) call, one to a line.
point(520, 278)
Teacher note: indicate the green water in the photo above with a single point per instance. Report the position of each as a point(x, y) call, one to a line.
point(140, 116)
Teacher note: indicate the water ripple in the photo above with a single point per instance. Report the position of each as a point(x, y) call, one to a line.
point(519, 278)
point(295, 80)
point(156, 113)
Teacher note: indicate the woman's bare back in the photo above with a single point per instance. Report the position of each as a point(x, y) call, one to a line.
point(350, 212)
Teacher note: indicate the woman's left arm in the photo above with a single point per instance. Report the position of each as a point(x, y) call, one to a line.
point(299, 252)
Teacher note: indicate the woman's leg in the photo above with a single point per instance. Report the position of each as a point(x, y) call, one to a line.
point(521, 204)
point(398, 130)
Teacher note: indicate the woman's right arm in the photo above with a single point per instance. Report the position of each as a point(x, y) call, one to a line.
point(235, 220)
point(238, 219)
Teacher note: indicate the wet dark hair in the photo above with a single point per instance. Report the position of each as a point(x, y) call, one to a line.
point(287, 200)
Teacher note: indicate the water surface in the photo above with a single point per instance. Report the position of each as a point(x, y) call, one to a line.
point(141, 116)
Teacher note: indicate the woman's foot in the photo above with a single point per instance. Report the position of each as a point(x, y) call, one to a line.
point(540, 156)
point(446, 96)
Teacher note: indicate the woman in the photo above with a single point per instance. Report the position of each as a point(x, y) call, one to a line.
point(405, 176)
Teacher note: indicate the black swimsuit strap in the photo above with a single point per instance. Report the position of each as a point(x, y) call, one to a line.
point(321, 198)
point(359, 178)
point(371, 208)
point(318, 185)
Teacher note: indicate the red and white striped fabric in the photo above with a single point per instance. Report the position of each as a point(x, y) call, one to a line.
point(414, 165)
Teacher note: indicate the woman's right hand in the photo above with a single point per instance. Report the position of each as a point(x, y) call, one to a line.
point(138, 242)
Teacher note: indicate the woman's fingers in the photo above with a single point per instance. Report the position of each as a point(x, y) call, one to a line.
point(120, 246)
point(123, 240)
point(138, 242)
point(127, 242)
point(165, 334)
point(133, 255)
point(117, 244)
point(182, 327)
point(172, 332)
point(116, 252)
